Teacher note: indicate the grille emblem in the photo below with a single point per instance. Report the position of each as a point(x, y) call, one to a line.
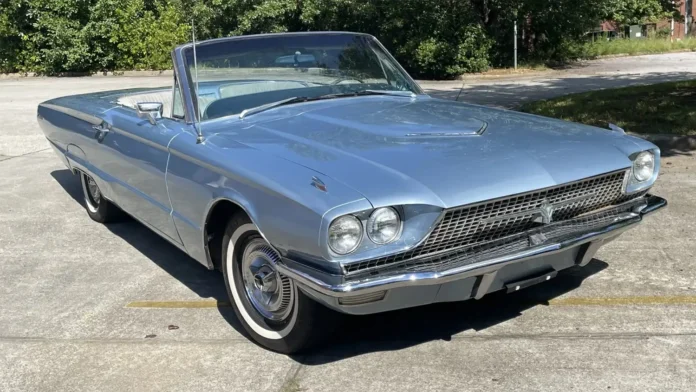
point(537, 239)
point(546, 212)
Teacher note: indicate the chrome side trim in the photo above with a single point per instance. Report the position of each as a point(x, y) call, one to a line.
point(429, 278)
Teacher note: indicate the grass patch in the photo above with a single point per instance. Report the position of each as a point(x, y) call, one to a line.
point(522, 68)
point(637, 46)
point(660, 108)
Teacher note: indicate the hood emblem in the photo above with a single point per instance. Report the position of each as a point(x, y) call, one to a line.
point(319, 184)
point(545, 213)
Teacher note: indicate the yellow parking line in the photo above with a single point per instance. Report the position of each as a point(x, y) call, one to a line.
point(207, 303)
point(578, 301)
point(614, 301)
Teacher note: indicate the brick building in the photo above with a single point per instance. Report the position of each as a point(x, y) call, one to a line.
point(686, 8)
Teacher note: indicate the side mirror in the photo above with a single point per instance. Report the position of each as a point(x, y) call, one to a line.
point(152, 111)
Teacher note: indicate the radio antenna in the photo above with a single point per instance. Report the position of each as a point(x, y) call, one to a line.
point(460, 90)
point(197, 109)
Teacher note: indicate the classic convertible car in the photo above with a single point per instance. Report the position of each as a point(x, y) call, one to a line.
point(316, 174)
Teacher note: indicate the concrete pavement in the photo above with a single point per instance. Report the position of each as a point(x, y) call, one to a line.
point(511, 91)
point(625, 322)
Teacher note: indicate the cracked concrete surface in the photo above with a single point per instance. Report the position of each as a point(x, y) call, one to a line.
point(65, 282)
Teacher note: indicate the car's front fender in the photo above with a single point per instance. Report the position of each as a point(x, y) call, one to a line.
point(279, 196)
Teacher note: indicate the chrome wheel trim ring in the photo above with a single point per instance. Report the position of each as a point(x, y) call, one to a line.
point(263, 331)
point(93, 190)
point(270, 293)
point(92, 193)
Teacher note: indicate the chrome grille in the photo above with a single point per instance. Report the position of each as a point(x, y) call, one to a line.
point(556, 232)
point(469, 227)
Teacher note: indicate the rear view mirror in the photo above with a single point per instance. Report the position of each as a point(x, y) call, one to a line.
point(298, 59)
point(152, 111)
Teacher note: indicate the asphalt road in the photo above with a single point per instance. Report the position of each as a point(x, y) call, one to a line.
point(70, 289)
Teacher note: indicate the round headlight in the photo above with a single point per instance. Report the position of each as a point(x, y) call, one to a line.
point(383, 226)
point(345, 234)
point(644, 166)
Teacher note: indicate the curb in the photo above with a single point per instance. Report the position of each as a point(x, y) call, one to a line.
point(620, 55)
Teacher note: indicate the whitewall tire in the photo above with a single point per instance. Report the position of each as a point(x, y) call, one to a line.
point(273, 310)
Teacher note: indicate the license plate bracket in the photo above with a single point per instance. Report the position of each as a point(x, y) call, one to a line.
point(522, 284)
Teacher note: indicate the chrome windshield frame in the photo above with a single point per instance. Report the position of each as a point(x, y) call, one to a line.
point(181, 67)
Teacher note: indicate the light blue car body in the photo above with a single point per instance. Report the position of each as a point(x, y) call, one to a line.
point(422, 153)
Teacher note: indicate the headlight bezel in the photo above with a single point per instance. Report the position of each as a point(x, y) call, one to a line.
point(638, 159)
point(419, 217)
point(373, 216)
point(632, 184)
point(361, 234)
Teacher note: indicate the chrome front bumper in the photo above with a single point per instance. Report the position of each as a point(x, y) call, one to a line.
point(337, 291)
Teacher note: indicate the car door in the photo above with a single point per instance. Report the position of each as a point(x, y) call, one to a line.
point(135, 154)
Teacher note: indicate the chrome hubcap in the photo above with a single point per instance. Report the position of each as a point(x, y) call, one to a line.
point(269, 292)
point(93, 190)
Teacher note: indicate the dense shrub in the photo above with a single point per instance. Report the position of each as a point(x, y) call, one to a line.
point(441, 59)
point(12, 27)
point(144, 38)
point(58, 36)
point(431, 38)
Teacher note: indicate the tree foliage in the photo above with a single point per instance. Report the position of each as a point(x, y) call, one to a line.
point(628, 12)
point(431, 38)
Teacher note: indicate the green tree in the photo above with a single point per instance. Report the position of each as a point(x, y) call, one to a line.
point(628, 12)
point(144, 37)
point(54, 39)
point(13, 24)
point(431, 38)
point(546, 28)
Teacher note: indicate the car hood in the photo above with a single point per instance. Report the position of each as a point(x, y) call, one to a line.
point(398, 150)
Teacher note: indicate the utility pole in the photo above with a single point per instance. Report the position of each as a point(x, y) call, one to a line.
point(671, 29)
point(515, 43)
point(686, 17)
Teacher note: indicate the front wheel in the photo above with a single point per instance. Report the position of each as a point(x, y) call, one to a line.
point(269, 305)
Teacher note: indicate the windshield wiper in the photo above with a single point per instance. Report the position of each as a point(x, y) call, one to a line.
point(397, 93)
point(288, 101)
point(271, 105)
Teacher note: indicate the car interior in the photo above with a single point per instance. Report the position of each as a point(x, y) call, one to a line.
point(224, 98)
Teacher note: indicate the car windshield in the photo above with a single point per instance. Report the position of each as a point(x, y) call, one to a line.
point(244, 73)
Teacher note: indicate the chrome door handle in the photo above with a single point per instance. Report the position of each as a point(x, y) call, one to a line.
point(101, 128)
point(101, 131)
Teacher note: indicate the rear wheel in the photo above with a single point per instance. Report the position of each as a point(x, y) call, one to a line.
point(98, 208)
point(270, 306)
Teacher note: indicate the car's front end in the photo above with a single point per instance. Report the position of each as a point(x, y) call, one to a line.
point(399, 256)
